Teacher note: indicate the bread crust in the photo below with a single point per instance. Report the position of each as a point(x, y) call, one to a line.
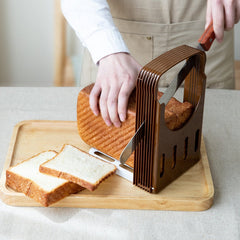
point(74, 179)
point(34, 191)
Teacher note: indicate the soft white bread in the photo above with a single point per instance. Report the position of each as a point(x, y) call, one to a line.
point(26, 178)
point(79, 167)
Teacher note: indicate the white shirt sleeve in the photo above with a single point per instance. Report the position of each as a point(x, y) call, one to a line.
point(93, 24)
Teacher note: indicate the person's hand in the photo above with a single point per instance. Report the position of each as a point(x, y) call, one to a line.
point(224, 14)
point(116, 78)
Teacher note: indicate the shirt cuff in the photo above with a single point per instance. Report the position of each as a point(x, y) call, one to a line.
point(104, 42)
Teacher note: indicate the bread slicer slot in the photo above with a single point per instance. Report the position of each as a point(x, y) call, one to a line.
point(123, 170)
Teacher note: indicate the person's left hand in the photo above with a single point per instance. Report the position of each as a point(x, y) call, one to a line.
point(224, 14)
point(116, 78)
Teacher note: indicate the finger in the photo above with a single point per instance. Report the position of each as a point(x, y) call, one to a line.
point(93, 99)
point(237, 11)
point(209, 13)
point(103, 106)
point(218, 20)
point(229, 9)
point(112, 105)
point(123, 97)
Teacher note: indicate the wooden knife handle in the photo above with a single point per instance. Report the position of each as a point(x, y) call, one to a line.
point(207, 37)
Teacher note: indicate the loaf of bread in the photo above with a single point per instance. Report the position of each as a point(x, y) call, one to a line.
point(26, 178)
point(79, 167)
point(112, 140)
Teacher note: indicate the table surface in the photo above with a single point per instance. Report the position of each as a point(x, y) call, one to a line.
point(221, 131)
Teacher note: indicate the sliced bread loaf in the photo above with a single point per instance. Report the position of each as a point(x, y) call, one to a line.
point(26, 178)
point(112, 140)
point(79, 167)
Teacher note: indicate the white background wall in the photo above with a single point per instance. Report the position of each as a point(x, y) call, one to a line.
point(27, 40)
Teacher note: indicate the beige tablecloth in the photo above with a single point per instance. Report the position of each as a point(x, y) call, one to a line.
point(222, 137)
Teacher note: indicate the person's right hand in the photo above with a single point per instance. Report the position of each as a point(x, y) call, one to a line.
point(224, 14)
point(116, 78)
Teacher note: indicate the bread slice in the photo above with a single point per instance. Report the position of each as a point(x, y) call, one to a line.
point(26, 178)
point(79, 167)
point(112, 140)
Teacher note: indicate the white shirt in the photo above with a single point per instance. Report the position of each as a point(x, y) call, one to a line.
point(93, 24)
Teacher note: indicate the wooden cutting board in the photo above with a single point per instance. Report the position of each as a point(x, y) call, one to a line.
point(193, 191)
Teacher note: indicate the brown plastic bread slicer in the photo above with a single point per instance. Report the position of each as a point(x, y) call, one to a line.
point(162, 155)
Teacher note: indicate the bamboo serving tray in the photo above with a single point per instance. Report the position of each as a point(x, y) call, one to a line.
point(193, 191)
